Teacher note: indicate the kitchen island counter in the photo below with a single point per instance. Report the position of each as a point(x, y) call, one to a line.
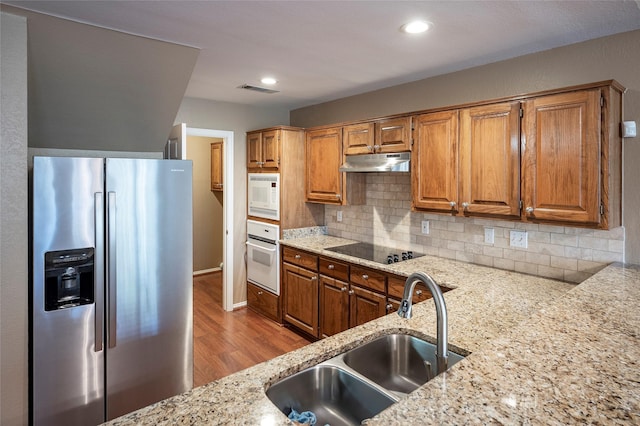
point(542, 352)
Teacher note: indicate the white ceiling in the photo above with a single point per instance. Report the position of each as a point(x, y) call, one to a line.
point(325, 50)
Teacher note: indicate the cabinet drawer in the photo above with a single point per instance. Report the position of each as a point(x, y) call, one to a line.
point(263, 302)
point(333, 268)
point(420, 292)
point(301, 258)
point(368, 278)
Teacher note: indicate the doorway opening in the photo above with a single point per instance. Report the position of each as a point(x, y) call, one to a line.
point(203, 138)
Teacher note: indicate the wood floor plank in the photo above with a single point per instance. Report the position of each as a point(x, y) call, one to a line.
point(227, 342)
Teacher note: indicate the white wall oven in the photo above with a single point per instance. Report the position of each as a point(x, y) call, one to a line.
point(263, 195)
point(263, 257)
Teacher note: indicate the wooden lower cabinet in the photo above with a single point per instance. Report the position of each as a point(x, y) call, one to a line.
point(301, 301)
point(365, 305)
point(264, 302)
point(334, 306)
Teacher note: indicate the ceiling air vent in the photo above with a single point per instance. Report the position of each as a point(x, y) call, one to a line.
point(257, 89)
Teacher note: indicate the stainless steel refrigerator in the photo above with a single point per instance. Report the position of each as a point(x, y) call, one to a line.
point(111, 293)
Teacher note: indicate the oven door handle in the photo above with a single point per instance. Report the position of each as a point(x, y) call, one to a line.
point(260, 247)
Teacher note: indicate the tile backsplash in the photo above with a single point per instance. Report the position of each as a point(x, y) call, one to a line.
point(565, 253)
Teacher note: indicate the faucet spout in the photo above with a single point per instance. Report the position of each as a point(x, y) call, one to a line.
point(441, 313)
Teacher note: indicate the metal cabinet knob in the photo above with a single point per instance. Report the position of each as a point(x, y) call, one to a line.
point(418, 292)
point(465, 205)
point(259, 293)
point(351, 291)
point(297, 256)
point(376, 147)
point(331, 267)
point(453, 204)
point(314, 278)
point(389, 306)
point(344, 289)
point(370, 148)
point(529, 210)
point(365, 276)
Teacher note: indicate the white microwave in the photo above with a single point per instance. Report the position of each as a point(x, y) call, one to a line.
point(263, 195)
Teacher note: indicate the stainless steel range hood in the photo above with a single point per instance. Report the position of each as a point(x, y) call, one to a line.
point(396, 162)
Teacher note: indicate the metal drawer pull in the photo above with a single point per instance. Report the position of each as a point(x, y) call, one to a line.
point(344, 289)
point(365, 276)
point(297, 256)
point(259, 293)
point(418, 292)
point(331, 266)
point(351, 291)
point(315, 277)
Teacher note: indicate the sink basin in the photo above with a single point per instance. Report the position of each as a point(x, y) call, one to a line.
point(335, 396)
point(397, 362)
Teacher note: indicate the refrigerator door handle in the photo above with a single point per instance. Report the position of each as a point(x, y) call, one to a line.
point(111, 268)
point(98, 203)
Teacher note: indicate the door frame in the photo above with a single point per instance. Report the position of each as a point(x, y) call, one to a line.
point(227, 209)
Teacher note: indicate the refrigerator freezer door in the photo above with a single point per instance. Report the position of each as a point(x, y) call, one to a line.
point(149, 282)
point(67, 377)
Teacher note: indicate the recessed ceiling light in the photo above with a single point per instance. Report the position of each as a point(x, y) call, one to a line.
point(416, 27)
point(268, 80)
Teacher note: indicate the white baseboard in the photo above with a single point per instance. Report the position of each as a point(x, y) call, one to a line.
point(239, 305)
point(205, 271)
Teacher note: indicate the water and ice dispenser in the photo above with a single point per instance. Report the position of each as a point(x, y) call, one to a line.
point(68, 278)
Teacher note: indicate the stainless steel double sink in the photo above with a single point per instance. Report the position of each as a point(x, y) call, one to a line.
point(359, 383)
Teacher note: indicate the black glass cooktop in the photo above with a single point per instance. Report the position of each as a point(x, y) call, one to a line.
point(375, 253)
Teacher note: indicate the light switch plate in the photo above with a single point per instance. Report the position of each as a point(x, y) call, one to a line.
point(518, 239)
point(425, 227)
point(489, 235)
point(339, 216)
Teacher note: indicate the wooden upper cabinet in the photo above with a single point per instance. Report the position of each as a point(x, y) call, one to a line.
point(381, 136)
point(359, 138)
point(323, 152)
point(263, 150)
point(561, 161)
point(434, 172)
point(270, 149)
point(217, 159)
point(393, 135)
point(489, 158)
point(254, 150)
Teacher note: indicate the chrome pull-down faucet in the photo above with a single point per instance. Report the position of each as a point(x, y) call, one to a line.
point(441, 312)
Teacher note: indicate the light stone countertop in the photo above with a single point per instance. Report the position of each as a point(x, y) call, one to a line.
point(542, 352)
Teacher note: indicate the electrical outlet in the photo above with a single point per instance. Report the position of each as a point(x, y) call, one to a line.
point(425, 226)
point(489, 235)
point(518, 239)
point(339, 216)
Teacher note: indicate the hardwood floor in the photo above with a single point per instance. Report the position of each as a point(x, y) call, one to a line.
point(227, 342)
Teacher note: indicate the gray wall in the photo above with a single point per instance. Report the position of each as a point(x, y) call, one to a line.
point(13, 221)
point(239, 119)
point(614, 57)
point(95, 88)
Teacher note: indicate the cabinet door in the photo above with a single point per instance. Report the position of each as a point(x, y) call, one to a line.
point(490, 159)
point(365, 305)
point(216, 166)
point(270, 149)
point(358, 138)
point(334, 306)
point(300, 288)
point(254, 150)
point(434, 172)
point(561, 161)
point(393, 135)
point(323, 153)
